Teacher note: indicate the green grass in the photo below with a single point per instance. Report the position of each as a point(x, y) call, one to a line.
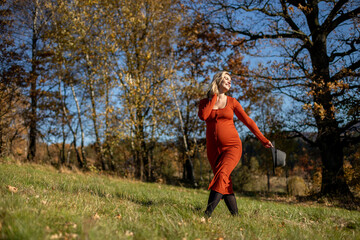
point(53, 205)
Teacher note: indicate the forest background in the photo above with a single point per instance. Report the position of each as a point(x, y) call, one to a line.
point(113, 86)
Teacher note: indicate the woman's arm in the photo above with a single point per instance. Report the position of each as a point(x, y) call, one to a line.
point(205, 107)
point(241, 114)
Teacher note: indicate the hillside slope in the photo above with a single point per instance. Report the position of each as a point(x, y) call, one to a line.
point(39, 202)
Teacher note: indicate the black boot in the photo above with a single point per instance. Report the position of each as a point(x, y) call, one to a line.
point(230, 201)
point(214, 199)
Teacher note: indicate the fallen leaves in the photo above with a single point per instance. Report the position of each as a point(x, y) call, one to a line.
point(181, 223)
point(205, 220)
point(56, 236)
point(95, 217)
point(129, 233)
point(12, 189)
point(70, 225)
point(65, 236)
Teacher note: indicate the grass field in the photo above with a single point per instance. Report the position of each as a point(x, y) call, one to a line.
point(39, 202)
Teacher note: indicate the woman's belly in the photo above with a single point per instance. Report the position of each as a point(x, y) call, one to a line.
point(222, 134)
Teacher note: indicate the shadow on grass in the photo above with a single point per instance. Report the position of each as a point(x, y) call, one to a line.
point(349, 203)
point(142, 202)
point(346, 202)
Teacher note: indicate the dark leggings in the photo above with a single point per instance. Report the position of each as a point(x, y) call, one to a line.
point(214, 199)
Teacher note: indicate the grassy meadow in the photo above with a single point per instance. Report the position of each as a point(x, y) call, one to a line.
point(40, 202)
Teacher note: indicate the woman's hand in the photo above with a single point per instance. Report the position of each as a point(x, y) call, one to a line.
point(268, 145)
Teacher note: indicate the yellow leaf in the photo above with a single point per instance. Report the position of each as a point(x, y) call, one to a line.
point(129, 233)
point(12, 189)
point(71, 236)
point(204, 220)
point(96, 217)
point(56, 236)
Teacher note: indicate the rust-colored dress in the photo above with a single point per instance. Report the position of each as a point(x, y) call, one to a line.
point(222, 140)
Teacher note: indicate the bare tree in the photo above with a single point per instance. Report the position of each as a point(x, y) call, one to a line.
point(31, 25)
point(314, 49)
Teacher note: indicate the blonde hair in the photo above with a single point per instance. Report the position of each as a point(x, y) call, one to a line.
point(214, 85)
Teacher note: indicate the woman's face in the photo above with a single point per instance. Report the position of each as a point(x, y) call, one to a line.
point(225, 84)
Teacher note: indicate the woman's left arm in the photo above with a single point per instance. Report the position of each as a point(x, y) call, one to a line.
point(241, 114)
point(205, 107)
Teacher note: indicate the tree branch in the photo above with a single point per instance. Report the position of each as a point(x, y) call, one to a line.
point(254, 37)
point(306, 139)
point(333, 13)
point(342, 18)
point(273, 78)
point(346, 72)
point(242, 7)
point(342, 54)
point(288, 19)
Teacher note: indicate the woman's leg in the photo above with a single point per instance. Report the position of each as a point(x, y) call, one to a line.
point(214, 199)
point(230, 201)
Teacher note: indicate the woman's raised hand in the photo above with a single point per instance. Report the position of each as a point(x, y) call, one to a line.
point(268, 145)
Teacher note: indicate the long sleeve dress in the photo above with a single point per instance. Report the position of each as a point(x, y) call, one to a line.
point(222, 140)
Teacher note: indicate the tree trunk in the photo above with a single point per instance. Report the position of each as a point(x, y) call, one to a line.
point(68, 155)
point(84, 162)
point(197, 154)
point(328, 140)
point(1, 140)
point(333, 176)
point(141, 151)
point(64, 109)
point(108, 151)
point(62, 151)
point(98, 147)
point(33, 91)
point(151, 148)
point(33, 121)
point(268, 180)
point(188, 165)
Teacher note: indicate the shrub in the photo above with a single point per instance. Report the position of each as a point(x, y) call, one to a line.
point(352, 176)
point(316, 181)
point(296, 186)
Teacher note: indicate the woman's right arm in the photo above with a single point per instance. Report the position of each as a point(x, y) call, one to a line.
point(205, 107)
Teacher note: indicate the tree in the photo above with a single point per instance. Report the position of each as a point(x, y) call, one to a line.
point(79, 39)
point(30, 25)
point(143, 34)
point(11, 75)
point(317, 66)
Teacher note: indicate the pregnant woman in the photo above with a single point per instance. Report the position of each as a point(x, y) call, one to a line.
point(222, 140)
